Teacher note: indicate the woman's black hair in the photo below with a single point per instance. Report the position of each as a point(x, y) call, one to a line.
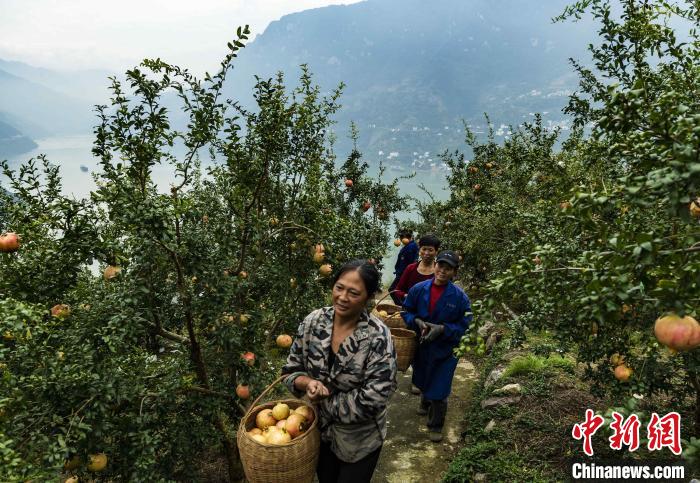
point(429, 240)
point(368, 273)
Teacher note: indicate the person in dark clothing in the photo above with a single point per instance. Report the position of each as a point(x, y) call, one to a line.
point(407, 255)
point(419, 271)
point(440, 313)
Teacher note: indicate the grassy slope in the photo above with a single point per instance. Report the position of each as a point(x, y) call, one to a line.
point(532, 439)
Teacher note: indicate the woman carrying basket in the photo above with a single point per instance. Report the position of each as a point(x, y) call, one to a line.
point(343, 359)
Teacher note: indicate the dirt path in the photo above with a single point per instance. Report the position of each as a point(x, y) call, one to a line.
point(408, 455)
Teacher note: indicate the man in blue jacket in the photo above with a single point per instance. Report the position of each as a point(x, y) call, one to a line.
point(407, 256)
point(440, 313)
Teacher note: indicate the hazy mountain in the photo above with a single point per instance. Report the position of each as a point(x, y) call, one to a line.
point(90, 85)
point(414, 69)
point(13, 142)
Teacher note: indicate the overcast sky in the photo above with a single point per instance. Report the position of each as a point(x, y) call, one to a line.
point(74, 34)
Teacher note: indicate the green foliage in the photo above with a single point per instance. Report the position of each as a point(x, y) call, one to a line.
point(490, 459)
point(532, 364)
point(219, 263)
point(595, 241)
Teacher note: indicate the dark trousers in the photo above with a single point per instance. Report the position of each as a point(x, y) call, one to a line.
point(436, 413)
point(330, 469)
point(395, 297)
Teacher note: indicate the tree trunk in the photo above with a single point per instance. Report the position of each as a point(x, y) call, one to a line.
point(235, 468)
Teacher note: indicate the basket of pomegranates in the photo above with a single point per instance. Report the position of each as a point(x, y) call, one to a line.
point(389, 313)
point(279, 440)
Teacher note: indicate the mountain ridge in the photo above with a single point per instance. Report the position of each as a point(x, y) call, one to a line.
point(409, 65)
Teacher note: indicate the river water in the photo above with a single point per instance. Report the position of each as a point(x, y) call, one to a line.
point(74, 156)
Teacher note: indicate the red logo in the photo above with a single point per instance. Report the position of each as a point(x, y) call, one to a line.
point(587, 429)
point(665, 432)
point(662, 432)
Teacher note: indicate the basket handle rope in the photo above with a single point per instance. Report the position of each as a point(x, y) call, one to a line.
point(262, 394)
point(388, 293)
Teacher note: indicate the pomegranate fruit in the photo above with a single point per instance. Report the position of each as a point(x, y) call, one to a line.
point(280, 411)
point(265, 419)
point(284, 341)
point(242, 391)
point(307, 412)
point(249, 357)
point(9, 242)
point(623, 373)
point(278, 437)
point(295, 424)
point(111, 271)
point(680, 334)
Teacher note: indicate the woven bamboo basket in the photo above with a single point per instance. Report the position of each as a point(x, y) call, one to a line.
point(393, 321)
point(405, 344)
point(292, 462)
point(393, 318)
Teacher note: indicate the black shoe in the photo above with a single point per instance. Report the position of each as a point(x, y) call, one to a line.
point(421, 411)
point(435, 435)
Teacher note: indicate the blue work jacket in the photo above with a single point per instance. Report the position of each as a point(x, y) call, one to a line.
point(434, 363)
point(407, 256)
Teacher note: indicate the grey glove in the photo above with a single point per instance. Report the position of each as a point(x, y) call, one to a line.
point(420, 323)
point(434, 331)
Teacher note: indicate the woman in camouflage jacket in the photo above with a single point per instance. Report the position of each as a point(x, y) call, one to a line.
point(343, 359)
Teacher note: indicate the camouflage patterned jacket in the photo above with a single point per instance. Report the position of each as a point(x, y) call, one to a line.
point(363, 378)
